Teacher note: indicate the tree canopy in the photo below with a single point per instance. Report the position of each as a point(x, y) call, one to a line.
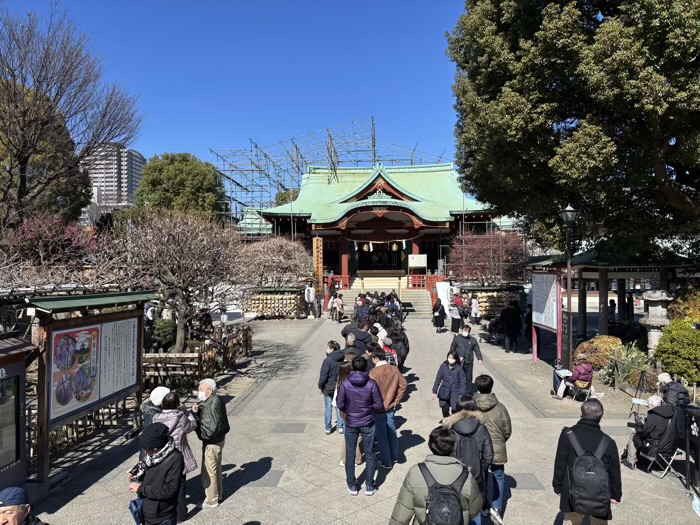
point(182, 182)
point(592, 103)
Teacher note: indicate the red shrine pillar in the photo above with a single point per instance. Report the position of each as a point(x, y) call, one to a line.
point(344, 266)
point(416, 248)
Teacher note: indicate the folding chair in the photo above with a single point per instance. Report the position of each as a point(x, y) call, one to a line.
point(664, 461)
point(578, 392)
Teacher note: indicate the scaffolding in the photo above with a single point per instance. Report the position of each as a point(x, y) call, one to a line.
point(256, 176)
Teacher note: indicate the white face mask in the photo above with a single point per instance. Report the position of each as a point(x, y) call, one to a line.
point(465, 334)
point(202, 396)
point(451, 362)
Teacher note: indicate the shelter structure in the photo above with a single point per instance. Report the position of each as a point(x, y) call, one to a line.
point(598, 272)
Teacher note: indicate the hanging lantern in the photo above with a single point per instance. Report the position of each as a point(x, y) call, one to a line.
point(365, 247)
point(403, 243)
point(394, 247)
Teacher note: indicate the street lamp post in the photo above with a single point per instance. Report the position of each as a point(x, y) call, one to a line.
point(568, 215)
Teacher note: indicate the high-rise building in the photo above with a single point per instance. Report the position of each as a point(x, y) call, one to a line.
point(115, 173)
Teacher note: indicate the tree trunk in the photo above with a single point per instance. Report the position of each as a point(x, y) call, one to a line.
point(180, 340)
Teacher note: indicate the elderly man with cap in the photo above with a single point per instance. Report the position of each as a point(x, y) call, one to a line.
point(15, 508)
point(160, 475)
point(672, 391)
point(212, 427)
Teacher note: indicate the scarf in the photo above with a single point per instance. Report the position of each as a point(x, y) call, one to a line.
point(151, 460)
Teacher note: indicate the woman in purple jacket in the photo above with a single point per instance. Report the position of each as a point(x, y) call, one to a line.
point(450, 383)
point(359, 397)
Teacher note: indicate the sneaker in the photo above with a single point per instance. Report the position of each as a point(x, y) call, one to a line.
point(341, 431)
point(371, 490)
point(394, 461)
point(353, 491)
point(342, 463)
point(328, 432)
point(496, 517)
point(382, 465)
point(205, 505)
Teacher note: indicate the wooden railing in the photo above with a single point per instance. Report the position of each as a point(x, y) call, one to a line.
point(417, 281)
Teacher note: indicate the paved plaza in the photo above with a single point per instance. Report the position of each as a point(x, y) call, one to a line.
point(280, 467)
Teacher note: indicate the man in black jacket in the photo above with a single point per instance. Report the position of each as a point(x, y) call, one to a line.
point(362, 337)
point(657, 435)
point(162, 471)
point(327, 382)
point(512, 325)
point(212, 427)
point(589, 435)
point(466, 347)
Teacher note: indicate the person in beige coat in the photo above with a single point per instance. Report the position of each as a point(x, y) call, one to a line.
point(496, 419)
point(411, 501)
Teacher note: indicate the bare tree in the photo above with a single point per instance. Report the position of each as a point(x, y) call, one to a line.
point(56, 111)
point(192, 260)
point(278, 262)
point(487, 258)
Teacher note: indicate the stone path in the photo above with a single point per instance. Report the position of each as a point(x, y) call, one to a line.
point(281, 468)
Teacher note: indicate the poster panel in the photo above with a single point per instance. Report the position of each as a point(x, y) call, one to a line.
point(545, 305)
point(75, 381)
point(91, 363)
point(418, 261)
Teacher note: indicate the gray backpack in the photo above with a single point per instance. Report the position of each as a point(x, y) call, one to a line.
point(443, 506)
point(589, 484)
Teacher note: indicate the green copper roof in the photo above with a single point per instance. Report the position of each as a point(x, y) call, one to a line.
point(433, 193)
point(253, 224)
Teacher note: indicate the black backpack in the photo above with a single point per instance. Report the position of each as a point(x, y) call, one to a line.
point(589, 484)
point(443, 506)
point(467, 450)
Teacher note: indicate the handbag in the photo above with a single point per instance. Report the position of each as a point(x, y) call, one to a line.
point(443, 392)
point(136, 509)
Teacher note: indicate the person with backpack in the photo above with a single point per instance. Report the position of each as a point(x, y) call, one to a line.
point(657, 434)
point(496, 419)
point(467, 347)
point(439, 491)
point(473, 446)
point(587, 469)
point(449, 383)
point(392, 357)
point(392, 385)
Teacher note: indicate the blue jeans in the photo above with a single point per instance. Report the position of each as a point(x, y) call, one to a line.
point(329, 414)
point(499, 478)
point(351, 436)
point(385, 428)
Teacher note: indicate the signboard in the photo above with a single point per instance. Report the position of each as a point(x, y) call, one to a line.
point(91, 363)
point(317, 244)
point(566, 328)
point(545, 303)
point(417, 261)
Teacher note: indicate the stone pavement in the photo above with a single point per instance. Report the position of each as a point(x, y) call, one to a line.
point(281, 468)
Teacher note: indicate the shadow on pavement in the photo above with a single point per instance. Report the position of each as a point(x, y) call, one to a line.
point(408, 440)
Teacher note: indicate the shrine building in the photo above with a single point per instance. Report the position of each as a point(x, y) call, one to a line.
point(368, 221)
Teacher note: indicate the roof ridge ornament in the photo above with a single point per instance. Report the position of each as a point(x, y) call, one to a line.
point(378, 195)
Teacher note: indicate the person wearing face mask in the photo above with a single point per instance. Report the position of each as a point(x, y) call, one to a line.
point(449, 384)
point(212, 427)
point(327, 382)
point(466, 347)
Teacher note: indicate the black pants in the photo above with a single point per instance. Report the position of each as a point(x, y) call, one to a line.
point(181, 500)
point(468, 375)
point(446, 409)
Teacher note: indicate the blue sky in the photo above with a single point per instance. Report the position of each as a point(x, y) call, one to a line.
point(212, 74)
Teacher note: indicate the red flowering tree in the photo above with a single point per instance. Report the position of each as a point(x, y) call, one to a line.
point(487, 258)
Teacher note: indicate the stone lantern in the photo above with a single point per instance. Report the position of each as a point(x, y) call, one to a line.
point(655, 318)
